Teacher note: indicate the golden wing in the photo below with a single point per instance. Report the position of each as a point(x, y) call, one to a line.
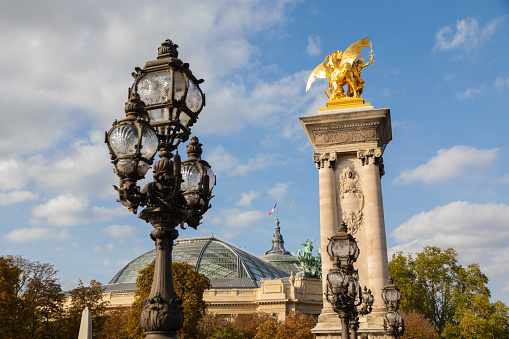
point(353, 51)
point(321, 71)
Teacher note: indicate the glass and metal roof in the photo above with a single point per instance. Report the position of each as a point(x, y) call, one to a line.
point(212, 257)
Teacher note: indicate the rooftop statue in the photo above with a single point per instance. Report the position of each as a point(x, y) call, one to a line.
point(310, 264)
point(342, 69)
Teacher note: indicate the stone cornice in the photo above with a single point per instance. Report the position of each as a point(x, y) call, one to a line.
point(348, 131)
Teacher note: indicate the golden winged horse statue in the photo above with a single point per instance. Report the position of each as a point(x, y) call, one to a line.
point(342, 69)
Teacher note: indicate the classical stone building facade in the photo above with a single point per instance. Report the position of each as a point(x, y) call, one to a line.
point(241, 282)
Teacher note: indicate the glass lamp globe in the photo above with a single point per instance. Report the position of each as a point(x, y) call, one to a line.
point(132, 142)
point(343, 246)
point(172, 96)
point(391, 295)
point(337, 282)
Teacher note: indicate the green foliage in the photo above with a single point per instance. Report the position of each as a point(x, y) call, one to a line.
point(226, 330)
point(189, 285)
point(455, 299)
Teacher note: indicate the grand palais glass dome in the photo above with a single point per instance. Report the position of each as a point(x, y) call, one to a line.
point(225, 265)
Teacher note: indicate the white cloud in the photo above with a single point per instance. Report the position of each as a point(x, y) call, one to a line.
point(457, 161)
point(234, 220)
point(101, 49)
point(86, 168)
point(255, 102)
point(224, 162)
point(121, 231)
point(69, 210)
point(246, 198)
point(478, 232)
point(16, 196)
point(314, 45)
point(475, 92)
point(471, 93)
point(501, 83)
point(279, 190)
point(35, 234)
point(468, 35)
point(82, 166)
point(12, 174)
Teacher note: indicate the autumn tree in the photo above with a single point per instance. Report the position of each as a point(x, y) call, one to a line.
point(452, 297)
point(115, 320)
point(249, 322)
point(417, 327)
point(295, 325)
point(9, 302)
point(30, 298)
point(80, 297)
point(189, 285)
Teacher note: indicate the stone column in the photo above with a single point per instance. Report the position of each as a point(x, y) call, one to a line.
point(325, 162)
point(351, 191)
point(375, 246)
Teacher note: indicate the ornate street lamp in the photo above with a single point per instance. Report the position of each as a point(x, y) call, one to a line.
point(164, 102)
point(343, 288)
point(393, 322)
point(343, 246)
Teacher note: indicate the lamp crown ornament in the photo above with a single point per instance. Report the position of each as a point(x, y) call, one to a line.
point(167, 49)
point(134, 105)
point(194, 149)
point(163, 103)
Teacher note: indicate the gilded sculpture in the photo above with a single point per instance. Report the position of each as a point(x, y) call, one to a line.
point(343, 68)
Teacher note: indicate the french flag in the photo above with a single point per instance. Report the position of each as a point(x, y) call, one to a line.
point(273, 209)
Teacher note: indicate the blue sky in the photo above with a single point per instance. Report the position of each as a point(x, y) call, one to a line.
point(439, 66)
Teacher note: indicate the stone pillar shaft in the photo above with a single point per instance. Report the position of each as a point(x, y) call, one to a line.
point(328, 213)
point(375, 246)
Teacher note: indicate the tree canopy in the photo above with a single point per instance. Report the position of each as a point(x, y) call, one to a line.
point(30, 296)
point(455, 299)
point(32, 304)
point(189, 285)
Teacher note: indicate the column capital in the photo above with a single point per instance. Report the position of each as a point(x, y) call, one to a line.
point(325, 160)
point(372, 156)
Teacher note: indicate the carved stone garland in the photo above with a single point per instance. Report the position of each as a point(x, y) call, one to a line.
point(351, 200)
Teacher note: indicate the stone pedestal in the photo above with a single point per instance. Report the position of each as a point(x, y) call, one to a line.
point(349, 144)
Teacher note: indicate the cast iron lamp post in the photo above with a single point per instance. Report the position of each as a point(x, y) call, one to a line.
point(164, 102)
point(343, 288)
point(393, 322)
